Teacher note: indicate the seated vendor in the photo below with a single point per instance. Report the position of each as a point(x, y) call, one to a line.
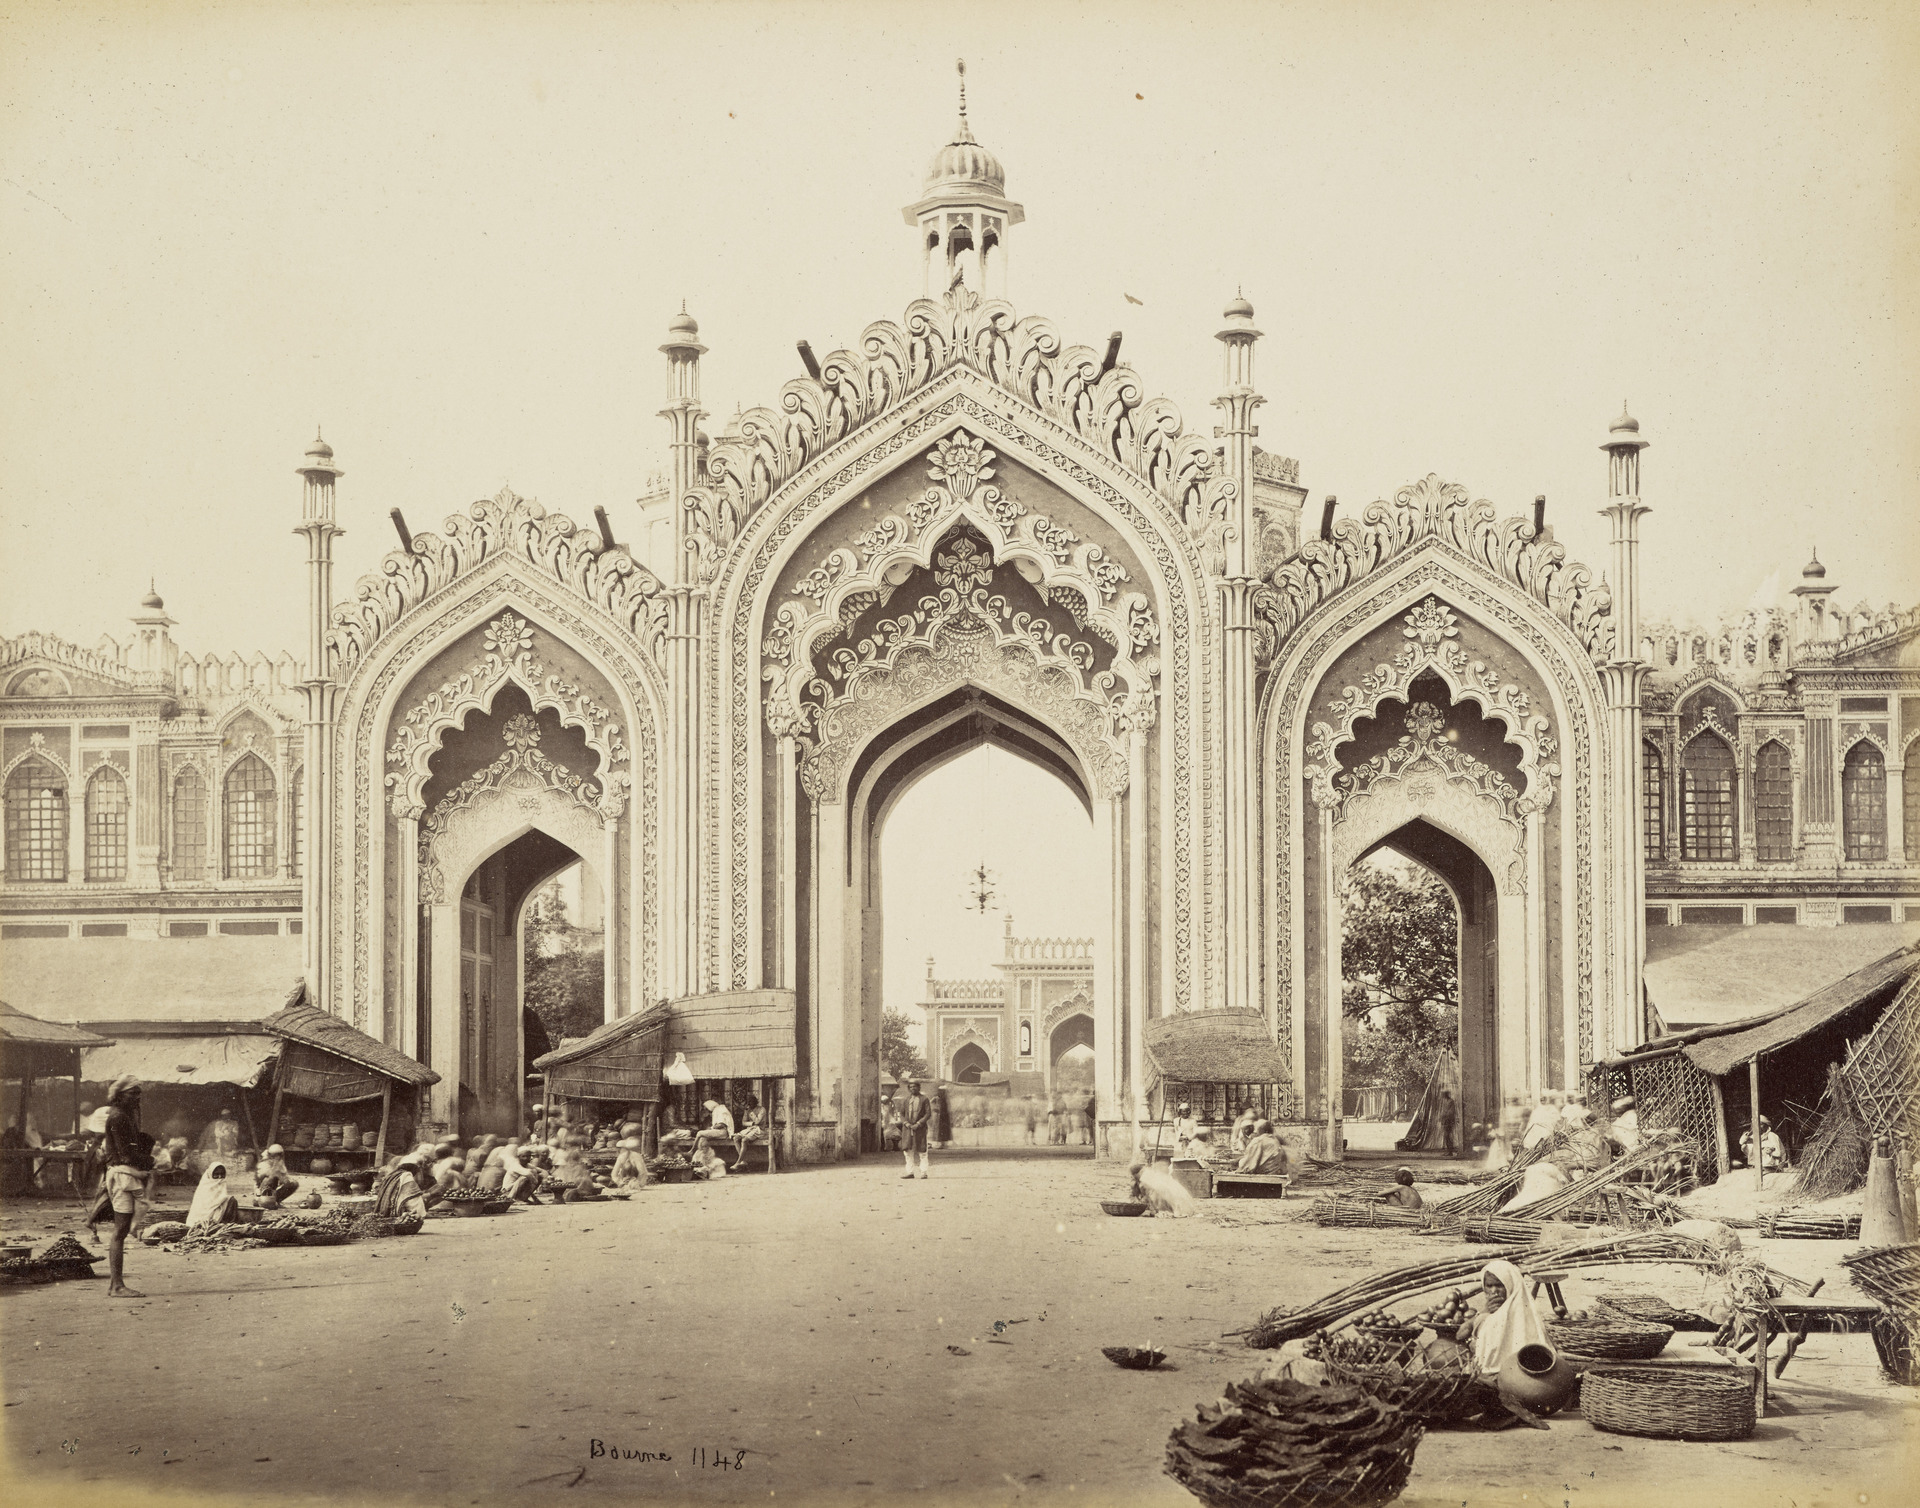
point(1244, 1129)
point(706, 1165)
point(1184, 1128)
point(571, 1172)
point(753, 1128)
point(1265, 1152)
point(1403, 1193)
point(271, 1180)
point(629, 1168)
point(1773, 1154)
point(396, 1192)
point(721, 1126)
point(446, 1173)
point(212, 1204)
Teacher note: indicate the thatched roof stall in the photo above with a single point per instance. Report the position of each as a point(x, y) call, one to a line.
point(1679, 1081)
point(1216, 1061)
point(32, 1049)
point(328, 1062)
point(621, 1060)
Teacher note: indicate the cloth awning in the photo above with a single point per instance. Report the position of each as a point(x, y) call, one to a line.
point(178, 1060)
point(1728, 978)
point(1872, 986)
point(1214, 1047)
point(741, 1034)
point(334, 1062)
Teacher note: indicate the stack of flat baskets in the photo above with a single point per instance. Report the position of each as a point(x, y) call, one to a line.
point(1669, 1403)
point(1611, 1340)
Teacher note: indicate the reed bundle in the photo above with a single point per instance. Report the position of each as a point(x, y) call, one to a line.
point(1485, 1198)
point(1788, 1226)
point(1835, 1160)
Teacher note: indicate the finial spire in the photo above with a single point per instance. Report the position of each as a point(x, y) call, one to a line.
point(961, 65)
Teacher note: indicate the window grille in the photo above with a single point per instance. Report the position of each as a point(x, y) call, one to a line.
point(106, 825)
point(1653, 801)
point(1863, 803)
point(249, 820)
point(189, 826)
point(1706, 800)
point(36, 801)
point(1773, 805)
point(297, 855)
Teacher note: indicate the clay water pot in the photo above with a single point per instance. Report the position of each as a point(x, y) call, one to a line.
point(320, 1165)
point(1538, 1377)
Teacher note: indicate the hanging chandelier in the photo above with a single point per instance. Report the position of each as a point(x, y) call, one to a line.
point(981, 894)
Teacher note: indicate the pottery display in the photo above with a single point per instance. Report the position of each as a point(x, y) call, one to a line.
point(1539, 1378)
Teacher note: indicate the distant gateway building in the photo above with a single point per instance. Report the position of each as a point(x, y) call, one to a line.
point(1017, 1026)
point(964, 529)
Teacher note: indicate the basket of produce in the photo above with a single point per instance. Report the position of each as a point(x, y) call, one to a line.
point(1124, 1206)
point(1134, 1358)
point(163, 1231)
point(1287, 1444)
point(1440, 1394)
point(498, 1206)
point(1611, 1340)
point(1669, 1404)
point(1358, 1349)
point(66, 1249)
point(354, 1204)
point(1649, 1309)
point(469, 1205)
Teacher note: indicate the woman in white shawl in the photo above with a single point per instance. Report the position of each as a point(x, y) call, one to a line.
point(1509, 1323)
point(212, 1204)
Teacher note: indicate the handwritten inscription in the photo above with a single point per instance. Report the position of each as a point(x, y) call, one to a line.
point(700, 1457)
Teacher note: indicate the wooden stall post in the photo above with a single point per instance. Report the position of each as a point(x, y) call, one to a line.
point(1722, 1157)
point(1759, 1161)
point(76, 1094)
point(386, 1109)
point(279, 1089)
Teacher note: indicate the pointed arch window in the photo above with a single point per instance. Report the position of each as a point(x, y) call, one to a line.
point(297, 850)
point(1706, 800)
point(36, 801)
point(1773, 804)
point(189, 847)
point(1863, 803)
point(107, 825)
point(1026, 1039)
point(249, 820)
point(1653, 802)
point(1910, 812)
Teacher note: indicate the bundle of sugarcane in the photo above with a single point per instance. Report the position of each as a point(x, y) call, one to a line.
point(1649, 1153)
point(1787, 1225)
point(1337, 1211)
point(1484, 1199)
point(1503, 1229)
point(1278, 1326)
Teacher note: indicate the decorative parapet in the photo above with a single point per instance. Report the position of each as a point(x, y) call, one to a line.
point(1738, 646)
point(504, 525)
point(34, 645)
point(1439, 511)
point(1269, 467)
point(1868, 628)
point(1024, 356)
point(1078, 950)
point(963, 991)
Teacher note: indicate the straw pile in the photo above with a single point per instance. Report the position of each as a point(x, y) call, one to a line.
point(1835, 1160)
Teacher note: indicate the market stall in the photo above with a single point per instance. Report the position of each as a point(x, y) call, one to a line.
point(203, 1083)
point(326, 1066)
point(612, 1072)
point(38, 1053)
point(1216, 1062)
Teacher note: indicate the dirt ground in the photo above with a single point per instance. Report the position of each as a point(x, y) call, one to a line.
point(827, 1335)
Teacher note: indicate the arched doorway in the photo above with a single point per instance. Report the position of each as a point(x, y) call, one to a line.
point(970, 1061)
point(1070, 1045)
point(1426, 970)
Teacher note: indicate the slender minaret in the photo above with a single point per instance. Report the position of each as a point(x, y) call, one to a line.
point(1623, 676)
point(686, 608)
point(1239, 928)
point(316, 522)
point(963, 215)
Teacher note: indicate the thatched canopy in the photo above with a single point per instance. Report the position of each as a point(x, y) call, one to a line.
point(29, 1045)
point(1215, 1047)
point(310, 1027)
point(1863, 989)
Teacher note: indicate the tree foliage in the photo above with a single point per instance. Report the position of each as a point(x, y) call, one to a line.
point(898, 1055)
point(1400, 973)
point(565, 968)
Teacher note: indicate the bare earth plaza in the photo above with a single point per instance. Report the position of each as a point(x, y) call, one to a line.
point(975, 941)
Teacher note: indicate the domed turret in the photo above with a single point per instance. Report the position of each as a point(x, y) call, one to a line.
point(1626, 424)
point(319, 450)
point(1814, 570)
point(963, 213)
point(683, 323)
point(1238, 307)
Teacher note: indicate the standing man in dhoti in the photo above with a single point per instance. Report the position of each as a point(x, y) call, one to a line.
point(913, 1130)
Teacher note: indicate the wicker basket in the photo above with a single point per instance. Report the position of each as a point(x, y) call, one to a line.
point(1611, 1341)
point(1668, 1404)
point(1124, 1206)
point(1442, 1397)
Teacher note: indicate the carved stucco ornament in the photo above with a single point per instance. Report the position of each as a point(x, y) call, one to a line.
point(509, 657)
